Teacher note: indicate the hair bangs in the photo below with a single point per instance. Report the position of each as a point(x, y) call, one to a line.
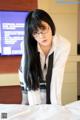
point(35, 25)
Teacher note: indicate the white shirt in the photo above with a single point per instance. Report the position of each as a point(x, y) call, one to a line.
point(61, 49)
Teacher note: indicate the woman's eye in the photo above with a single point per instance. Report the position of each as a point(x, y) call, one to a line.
point(43, 28)
point(34, 33)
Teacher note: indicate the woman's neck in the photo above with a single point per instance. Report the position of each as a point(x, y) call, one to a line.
point(46, 49)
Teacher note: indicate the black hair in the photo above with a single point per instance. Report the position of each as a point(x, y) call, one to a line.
point(32, 68)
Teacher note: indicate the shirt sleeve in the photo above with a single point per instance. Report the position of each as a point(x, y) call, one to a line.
point(60, 59)
point(21, 73)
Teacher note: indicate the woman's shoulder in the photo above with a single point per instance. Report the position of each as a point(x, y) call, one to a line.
point(63, 42)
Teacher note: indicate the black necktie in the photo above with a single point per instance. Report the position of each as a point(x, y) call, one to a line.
point(48, 78)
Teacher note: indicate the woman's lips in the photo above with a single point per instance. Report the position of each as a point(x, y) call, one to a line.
point(44, 41)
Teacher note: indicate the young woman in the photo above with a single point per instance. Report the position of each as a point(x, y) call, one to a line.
point(43, 61)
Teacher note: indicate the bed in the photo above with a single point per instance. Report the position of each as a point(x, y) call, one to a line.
point(40, 112)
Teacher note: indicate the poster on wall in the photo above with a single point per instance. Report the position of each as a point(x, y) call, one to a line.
point(12, 32)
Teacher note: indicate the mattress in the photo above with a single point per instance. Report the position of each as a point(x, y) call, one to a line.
point(40, 112)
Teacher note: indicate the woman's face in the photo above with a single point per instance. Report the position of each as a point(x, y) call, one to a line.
point(44, 35)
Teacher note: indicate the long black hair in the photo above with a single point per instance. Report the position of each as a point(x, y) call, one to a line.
point(32, 68)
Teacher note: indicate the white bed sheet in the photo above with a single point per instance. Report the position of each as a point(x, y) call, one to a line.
point(41, 112)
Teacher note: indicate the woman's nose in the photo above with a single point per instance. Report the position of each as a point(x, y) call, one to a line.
point(41, 35)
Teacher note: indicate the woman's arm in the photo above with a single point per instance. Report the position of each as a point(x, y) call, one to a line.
point(31, 97)
point(60, 59)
